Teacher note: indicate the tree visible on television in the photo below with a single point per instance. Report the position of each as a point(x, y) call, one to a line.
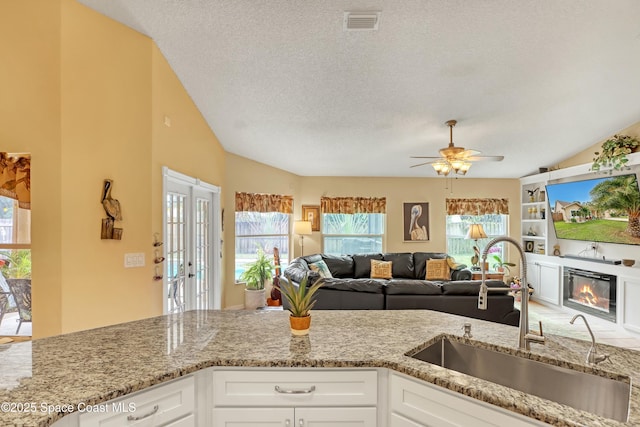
point(620, 193)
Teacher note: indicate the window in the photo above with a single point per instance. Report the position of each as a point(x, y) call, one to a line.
point(461, 248)
point(264, 230)
point(14, 223)
point(352, 233)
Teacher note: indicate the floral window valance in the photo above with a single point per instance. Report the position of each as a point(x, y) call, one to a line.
point(352, 205)
point(15, 178)
point(258, 202)
point(477, 206)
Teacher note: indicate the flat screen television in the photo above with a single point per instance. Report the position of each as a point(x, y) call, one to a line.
point(597, 210)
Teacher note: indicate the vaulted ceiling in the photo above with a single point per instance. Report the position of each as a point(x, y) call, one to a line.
point(281, 81)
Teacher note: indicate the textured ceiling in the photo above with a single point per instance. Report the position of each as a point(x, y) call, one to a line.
point(282, 83)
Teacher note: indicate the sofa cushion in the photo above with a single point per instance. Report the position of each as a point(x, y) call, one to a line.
point(437, 269)
point(362, 265)
point(402, 264)
point(298, 270)
point(412, 287)
point(420, 262)
point(321, 268)
point(381, 269)
point(312, 258)
point(340, 266)
point(471, 287)
point(359, 285)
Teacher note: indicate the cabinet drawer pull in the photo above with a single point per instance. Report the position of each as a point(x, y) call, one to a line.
point(141, 417)
point(296, 390)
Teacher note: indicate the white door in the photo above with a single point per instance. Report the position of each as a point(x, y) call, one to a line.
point(192, 244)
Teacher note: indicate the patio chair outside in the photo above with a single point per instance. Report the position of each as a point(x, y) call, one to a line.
point(21, 291)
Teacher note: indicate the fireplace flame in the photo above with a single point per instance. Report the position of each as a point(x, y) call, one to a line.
point(585, 295)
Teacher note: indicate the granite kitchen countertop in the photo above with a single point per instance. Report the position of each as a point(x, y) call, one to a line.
point(97, 365)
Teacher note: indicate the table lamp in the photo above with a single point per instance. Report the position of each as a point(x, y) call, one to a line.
point(302, 228)
point(476, 232)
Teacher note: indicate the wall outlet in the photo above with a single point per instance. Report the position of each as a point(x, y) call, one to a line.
point(134, 260)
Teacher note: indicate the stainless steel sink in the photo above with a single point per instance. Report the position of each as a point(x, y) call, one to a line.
point(585, 391)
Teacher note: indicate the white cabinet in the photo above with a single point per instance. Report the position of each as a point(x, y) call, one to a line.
point(630, 287)
point(300, 398)
point(295, 417)
point(545, 279)
point(167, 405)
point(415, 403)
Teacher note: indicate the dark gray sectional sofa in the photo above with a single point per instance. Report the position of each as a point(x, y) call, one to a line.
point(351, 287)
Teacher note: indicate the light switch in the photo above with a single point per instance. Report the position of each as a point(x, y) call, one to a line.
point(133, 260)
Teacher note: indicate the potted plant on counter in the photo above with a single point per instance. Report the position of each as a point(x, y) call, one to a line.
point(256, 276)
point(301, 302)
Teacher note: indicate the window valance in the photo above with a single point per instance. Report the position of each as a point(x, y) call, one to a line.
point(477, 206)
point(352, 205)
point(258, 202)
point(15, 178)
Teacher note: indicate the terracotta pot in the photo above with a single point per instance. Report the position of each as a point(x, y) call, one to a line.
point(300, 325)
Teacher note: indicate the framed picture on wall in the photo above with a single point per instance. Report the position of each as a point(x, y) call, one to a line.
point(312, 214)
point(416, 221)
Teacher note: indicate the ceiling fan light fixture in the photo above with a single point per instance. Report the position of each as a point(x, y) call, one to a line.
point(463, 168)
point(442, 167)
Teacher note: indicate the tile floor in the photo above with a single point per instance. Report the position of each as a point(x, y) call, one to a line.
point(9, 325)
point(555, 320)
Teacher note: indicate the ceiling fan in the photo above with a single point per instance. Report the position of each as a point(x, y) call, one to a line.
point(453, 158)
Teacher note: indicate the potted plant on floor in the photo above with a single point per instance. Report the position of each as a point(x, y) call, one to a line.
point(256, 276)
point(301, 302)
point(500, 265)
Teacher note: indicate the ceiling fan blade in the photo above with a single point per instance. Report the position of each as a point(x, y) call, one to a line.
point(425, 157)
point(485, 158)
point(468, 153)
point(420, 164)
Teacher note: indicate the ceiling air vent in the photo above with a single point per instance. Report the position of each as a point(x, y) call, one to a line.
point(361, 21)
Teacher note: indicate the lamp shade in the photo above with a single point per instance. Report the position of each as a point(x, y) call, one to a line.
point(302, 228)
point(476, 232)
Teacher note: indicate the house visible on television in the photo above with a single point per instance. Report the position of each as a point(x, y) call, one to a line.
point(571, 212)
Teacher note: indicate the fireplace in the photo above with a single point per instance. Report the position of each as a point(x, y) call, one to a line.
point(590, 292)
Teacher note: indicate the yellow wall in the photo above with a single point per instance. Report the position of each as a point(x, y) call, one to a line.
point(399, 190)
point(586, 156)
point(30, 122)
point(250, 176)
point(87, 97)
point(106, 133)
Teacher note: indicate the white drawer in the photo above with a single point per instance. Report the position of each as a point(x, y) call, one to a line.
point(317, 387)
point(171, 404)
